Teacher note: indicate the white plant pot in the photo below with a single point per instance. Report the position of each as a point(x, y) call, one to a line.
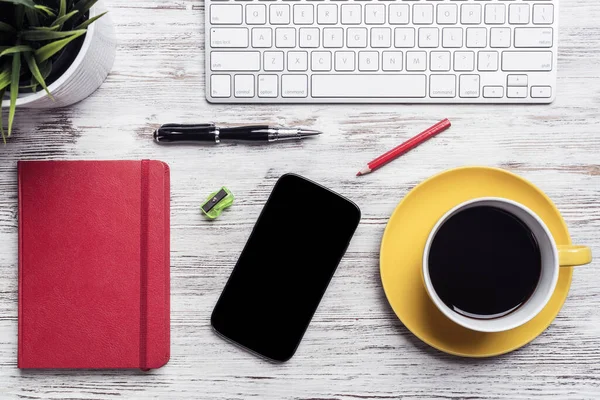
point(90, 68)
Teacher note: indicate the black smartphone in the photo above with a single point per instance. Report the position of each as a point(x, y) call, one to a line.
point(296, 245)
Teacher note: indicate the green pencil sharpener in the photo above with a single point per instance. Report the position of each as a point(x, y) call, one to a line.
point(217, 202)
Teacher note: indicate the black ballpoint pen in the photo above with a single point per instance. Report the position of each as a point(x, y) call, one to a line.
point(172, 133)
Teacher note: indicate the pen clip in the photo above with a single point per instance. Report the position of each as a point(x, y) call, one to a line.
point(187, 126)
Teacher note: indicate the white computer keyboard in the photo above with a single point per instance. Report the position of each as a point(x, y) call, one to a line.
point(398, 51)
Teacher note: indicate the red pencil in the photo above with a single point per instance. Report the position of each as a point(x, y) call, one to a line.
point(405, 147)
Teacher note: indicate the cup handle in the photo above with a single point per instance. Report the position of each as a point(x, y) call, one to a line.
point(572, 255)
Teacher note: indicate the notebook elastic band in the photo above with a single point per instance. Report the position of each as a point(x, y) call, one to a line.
point(144, 264)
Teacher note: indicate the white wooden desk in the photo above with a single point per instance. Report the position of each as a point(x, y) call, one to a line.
point(355, 347)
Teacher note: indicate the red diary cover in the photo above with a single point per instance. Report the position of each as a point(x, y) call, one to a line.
point(94, 264)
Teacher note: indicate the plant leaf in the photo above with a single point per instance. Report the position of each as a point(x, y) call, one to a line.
point(35, 72)
point(14, 90)
point(16, 49)
point(1, 119)
point(47, 51)
point(26, 3)
point(46, 28)
point(32, 85)
point(90, 21)
point(45, 68)
point(4, 27)
point(5, 76)
point(19, 17)
point(60, 21)
point(46, 10)
point(84, 5)
point(62, 10)
point(48, 35)
point(5, 79)
point(32, 17)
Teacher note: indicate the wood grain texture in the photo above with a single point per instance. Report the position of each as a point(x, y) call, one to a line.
point(355, 347)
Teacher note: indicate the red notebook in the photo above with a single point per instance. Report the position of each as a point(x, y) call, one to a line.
point(94, 264)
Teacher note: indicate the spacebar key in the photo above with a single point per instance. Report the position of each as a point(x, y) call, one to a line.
point(361, 85)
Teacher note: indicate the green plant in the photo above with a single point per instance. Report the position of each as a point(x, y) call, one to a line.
point(33, 34)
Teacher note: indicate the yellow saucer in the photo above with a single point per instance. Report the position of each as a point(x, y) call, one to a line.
point(402, 251)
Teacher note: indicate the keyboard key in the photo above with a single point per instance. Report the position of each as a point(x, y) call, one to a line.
point(452, 37)
point(423, 14)
point(398, 14)
point(527, 61)
point(476, 37)
point(303, 14)
point(262, 37)
point(518, 13)
point(469, 86)
point(493, 92)
point(495, 13)
point(351, 14)
point(368, 86)
point(368, 61)
point(285, 37)
point(374, 14)
point(543, 14)
point(220, 86)
point(442, 86)
point(294, 86)
point(357, 37)
point(309, 37)
point(344, 60)
point(533, 37)
point(273, 61)
point(333, 37)
point(222, 14)
point(464, 61)
point(516, 92)
point(327, 14)
point(470, 14)
point(381, 37)
point(279, 14)
point(429, 37)
point(538, 92)
point(256, 14)
point(516, 80)
point(244, 85)
point(416, 61)
point(235, 61)
point(404, 37)
point(229, 37)
point(500, 37)
point(391, 61)
point(297, 61)
point(447, 14)
point(321, 61)
point(487, 61)
point(439, 61)
point(267, 85)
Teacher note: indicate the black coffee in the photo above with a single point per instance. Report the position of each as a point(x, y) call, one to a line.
point(484, 262)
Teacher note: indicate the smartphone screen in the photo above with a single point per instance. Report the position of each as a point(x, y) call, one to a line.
point(285, 267)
